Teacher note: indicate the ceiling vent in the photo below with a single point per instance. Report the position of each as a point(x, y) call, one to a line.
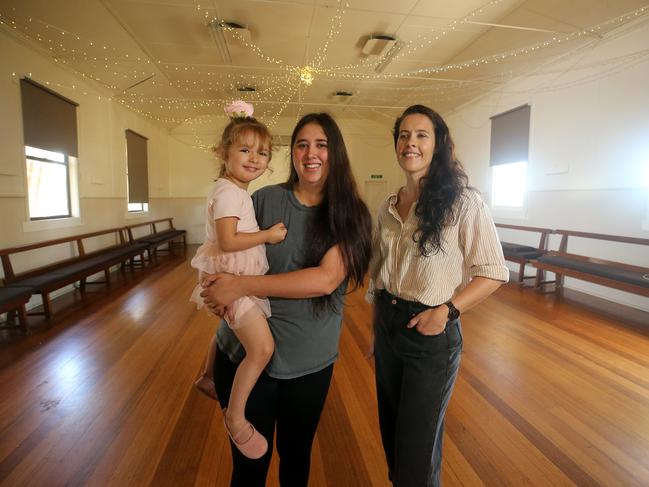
point(342, 96)
point(387, 58)
point(378, 44)
point(226, 35)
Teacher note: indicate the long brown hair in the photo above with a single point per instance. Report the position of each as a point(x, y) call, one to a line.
point(342, 218)
point(441, 187)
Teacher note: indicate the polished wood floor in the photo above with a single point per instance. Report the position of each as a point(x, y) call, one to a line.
point(549, 393)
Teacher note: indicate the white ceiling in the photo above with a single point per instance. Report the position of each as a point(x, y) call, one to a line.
point(448, 55)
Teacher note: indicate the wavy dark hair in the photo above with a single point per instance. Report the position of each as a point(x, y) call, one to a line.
point(342, 218)
point(441, 187)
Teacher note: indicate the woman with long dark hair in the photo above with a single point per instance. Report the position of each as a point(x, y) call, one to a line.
point(328, 244)
point(436, 255)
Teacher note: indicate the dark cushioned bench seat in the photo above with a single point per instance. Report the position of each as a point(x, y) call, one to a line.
point(11, 295)
point(524, 254)
point(618, 275)
point(69, 273)
point(110, 248)
point(635, 277)
point(516, 250)
point(154, 236)
point(162, 237)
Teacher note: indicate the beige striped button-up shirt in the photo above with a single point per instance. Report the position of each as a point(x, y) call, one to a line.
point(470, 248)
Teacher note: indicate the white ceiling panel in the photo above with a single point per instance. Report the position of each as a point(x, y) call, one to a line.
point(450, 52)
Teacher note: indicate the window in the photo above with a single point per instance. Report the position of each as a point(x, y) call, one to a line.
point(137, 172)
point(645, 223)
point(138, 207)
point(50, 131)
point(510, 133)
point(47, 184)
point(508, 184)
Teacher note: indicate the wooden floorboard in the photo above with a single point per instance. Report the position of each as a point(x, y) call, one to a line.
point(550, 393)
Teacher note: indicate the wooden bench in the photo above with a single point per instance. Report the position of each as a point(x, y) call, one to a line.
point(626, 277)
point(154, 236)
point(524, 254)
point(109, 248)
point(12, 302)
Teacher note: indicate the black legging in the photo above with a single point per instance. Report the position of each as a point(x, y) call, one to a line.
point(294, 404)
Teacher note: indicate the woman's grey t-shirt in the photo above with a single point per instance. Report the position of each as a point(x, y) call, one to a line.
point(305, 341)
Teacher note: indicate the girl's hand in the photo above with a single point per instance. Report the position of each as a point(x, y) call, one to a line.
point(276, 233)
point(430, 322)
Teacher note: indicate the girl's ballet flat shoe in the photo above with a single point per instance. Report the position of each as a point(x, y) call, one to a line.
point(250, 442)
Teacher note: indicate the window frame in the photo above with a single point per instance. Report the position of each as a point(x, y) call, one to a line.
point(66, 164)
point(523, 204)
point(144, 205)
point(511, 151)
point(141, 210)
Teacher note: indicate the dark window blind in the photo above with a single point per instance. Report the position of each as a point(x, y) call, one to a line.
point(49, 120)
point(510, 136)
point(138, 174)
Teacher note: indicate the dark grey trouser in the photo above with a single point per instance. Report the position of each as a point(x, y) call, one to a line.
point(415, 375)
point(293, 405)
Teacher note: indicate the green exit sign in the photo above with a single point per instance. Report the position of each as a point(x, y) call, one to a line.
point(376, 176)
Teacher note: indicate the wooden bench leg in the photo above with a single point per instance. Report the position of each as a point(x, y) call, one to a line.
point(22, 318)
point(21, 312)
point(11, 316)
point(82, 285)
point(47, 305)
point(540, 277)
point(521, 272)
point(107, 276)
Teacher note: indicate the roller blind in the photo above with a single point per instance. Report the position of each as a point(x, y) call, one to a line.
point(138, 174)
point(510, 136)
point(49, 120)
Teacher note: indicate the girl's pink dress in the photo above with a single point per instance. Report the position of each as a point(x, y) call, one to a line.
point(227, 199)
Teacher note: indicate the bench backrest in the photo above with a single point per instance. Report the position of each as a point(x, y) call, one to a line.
point(154, 227)
point(563, 246)
point(76, 240)
point(543, 242)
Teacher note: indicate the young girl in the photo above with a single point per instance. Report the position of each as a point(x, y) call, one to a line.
point(234, 244)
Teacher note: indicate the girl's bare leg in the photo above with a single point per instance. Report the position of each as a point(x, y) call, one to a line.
point(257, 340)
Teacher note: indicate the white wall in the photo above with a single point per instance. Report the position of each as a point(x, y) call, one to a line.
point(588, 165)
point(102, 154)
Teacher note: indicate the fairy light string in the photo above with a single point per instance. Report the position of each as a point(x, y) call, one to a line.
point(204, 88)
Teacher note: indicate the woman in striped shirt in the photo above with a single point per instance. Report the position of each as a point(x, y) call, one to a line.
point(436, 255)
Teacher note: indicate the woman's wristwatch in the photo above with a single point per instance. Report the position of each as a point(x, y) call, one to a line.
point(453, 312)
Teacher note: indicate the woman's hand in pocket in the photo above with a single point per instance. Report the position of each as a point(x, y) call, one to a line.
point(430, 322)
